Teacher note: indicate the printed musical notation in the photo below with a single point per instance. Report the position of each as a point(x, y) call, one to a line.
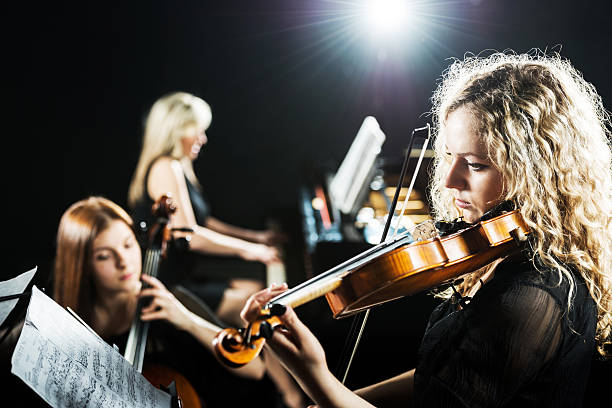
point(68, 366)
point(13, 286)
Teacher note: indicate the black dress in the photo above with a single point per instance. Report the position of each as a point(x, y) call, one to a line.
point(205, 275)
point(514, 344)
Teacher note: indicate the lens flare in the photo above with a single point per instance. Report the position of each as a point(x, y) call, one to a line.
point(385, 17)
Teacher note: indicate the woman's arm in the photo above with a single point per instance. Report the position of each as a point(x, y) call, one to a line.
point(165, 306)
point(211, 242)
point(167, 177)
point(302, 354)
point(393, 392)
point(267, 237)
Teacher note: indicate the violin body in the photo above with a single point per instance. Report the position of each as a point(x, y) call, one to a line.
point(425, 264)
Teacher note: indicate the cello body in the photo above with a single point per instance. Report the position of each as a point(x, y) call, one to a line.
point(162, 376)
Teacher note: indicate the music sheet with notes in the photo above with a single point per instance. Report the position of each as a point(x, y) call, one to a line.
point(12, 287)
point(69, 366)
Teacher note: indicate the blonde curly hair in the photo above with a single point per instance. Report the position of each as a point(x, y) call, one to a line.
point(548, 134)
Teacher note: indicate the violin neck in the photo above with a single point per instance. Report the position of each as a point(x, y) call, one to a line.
point(314, 291)
point(137, 338)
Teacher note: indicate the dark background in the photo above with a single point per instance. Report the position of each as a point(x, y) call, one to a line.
point(289, 83)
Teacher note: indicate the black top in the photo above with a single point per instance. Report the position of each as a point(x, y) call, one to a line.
point(205, 275)
point(199, 203)
point(514, 344)
point(178, 265)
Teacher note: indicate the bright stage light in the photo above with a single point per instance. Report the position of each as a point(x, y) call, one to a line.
point(386, 17)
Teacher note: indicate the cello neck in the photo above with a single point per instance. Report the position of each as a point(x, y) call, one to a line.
point(137, 338)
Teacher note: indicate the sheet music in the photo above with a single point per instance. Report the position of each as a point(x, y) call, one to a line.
point(356, 166)
point(13, 286)
point(68, 366)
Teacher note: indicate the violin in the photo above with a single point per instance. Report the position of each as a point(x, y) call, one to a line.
point(163, 377)
point(388, 271)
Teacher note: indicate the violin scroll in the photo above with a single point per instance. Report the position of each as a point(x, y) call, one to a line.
point(237, 347)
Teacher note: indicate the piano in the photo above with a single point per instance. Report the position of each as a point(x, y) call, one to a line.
point(335, 230)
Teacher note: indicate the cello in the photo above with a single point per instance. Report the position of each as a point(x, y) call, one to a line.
point(163, 377)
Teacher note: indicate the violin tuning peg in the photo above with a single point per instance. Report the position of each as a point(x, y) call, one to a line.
point(266, 330)
point(278, 309)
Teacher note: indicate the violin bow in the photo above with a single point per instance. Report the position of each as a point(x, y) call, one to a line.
point(360, 319)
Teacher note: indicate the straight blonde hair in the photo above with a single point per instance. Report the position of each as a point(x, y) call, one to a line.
point(166, 124)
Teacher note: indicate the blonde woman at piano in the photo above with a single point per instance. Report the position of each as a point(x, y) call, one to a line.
point(174, 133)
point(225, 263)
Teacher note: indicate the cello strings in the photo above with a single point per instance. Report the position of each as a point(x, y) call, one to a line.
point(131, 348)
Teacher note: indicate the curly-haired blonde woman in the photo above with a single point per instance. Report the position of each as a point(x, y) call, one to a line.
point(512, 131)
point(224, 263)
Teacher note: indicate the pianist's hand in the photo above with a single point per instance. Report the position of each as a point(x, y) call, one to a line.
point(260, 253)
point(270, 237)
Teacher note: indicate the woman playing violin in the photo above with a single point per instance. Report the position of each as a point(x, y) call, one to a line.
point(98, 274)
point(525, 131)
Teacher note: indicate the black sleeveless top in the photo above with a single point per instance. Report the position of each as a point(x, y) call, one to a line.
point(181, 265)
point(514, 344)
point(201, 209)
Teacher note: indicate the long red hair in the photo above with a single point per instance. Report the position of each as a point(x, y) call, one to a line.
point(78, 227)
